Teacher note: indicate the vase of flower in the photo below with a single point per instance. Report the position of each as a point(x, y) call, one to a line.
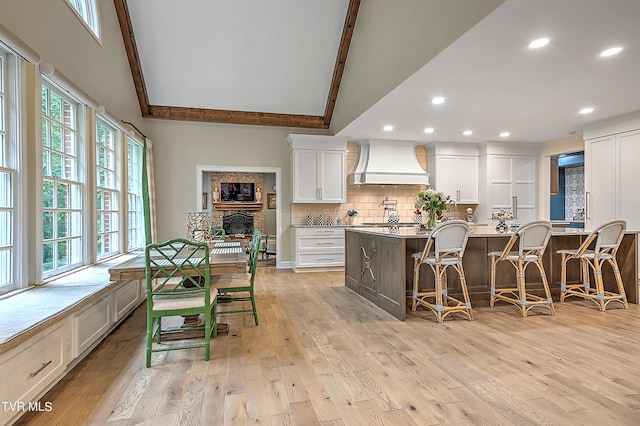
point(501, 226)
point(431, 218)
point(433, 203)
point(502, 216)
point(418, 214)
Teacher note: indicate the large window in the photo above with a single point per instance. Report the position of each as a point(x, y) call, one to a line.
point(62, 200)
point(87, 11)
point(135, 219)
point(107, 190)
point(8, 175)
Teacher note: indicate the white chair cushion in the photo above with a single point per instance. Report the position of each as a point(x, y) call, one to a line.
point(446, 261)
point(515, 256)
point(171, 302)
point(236, 280)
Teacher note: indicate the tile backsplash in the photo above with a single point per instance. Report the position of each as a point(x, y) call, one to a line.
point(573, 191)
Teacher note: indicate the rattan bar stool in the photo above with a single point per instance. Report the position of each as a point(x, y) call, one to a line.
point(532, 239)
point(607, 239)
point(448, 241)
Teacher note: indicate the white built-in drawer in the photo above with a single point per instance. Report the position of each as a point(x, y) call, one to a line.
point(92, 323)
point(320, 259)
point(315, 243)
point(327, 231)
point(126, 298)
point(29, 369)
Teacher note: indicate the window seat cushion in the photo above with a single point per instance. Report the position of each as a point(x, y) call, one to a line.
point(27, 313)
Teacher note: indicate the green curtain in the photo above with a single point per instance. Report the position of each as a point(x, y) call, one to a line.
point(146, 207)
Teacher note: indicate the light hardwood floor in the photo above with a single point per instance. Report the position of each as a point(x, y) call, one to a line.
point(324, 355)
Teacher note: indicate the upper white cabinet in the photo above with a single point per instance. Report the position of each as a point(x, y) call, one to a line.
point(318, 169)
point(453, 170)
point(612, 173)
point(509, 175)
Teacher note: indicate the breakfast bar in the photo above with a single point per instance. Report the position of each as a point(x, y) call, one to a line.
point(379, 264)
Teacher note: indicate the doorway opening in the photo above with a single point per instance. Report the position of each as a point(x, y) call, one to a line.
point(567, 205)
point(269, 217)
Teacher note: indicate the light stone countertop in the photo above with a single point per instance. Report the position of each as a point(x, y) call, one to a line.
point(476, 231)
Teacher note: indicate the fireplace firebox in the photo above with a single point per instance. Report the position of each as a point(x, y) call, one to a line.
point(238, 223)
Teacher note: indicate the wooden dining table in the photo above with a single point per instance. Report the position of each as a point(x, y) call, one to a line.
point(225, 258)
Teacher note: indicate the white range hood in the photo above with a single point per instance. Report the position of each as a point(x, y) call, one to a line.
point(388, 162)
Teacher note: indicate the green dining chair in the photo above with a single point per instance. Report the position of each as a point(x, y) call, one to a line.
point(178, 281)
point(238, 288)
point(217, 233)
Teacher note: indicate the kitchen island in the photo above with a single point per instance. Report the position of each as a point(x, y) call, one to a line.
point(379, 265)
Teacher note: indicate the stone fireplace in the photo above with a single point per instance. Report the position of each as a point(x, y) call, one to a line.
point(237, 223)
point(239, 217)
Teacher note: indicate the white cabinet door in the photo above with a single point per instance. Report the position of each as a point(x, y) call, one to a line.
point(513, 186)
point(333, 184)
point(305, 176)
point(319, 176)
point(501, 179)
point(457, 176)
point(600, 183)
point(524, 185)
point(629, 151)
point(446, 178)
point(468, 180)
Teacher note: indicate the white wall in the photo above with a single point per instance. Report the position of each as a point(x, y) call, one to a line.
point(181, 146)
point(392, 40)
point(101, 70)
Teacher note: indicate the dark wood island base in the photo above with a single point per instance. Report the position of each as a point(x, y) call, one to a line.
point(379, 266)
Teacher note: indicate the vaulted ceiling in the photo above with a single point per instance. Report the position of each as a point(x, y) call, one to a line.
point(283, 62)
point(266, 63)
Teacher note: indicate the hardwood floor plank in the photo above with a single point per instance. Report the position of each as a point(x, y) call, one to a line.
point(303, 413)
point(324, 355)
point(256, 395)
point(322, 403)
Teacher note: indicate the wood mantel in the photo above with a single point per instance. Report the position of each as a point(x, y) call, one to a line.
point(237, 206)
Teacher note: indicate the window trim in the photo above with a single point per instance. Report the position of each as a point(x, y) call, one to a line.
point(93, 15)
point(117, 178)
point(82, 142)
point(14, 131)
point(127, 244)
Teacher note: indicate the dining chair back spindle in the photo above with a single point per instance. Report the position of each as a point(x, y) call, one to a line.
point(239, 288)
point(178, 279)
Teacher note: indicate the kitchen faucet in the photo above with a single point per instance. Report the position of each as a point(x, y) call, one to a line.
point(389, 206)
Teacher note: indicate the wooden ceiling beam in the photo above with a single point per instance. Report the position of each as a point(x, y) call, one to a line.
point(229, 116)
point(235, 117)
point(343, 51)
point(122, 11)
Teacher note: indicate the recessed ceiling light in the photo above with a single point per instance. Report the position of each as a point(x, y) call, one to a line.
point(388, 128)
point(437, 100)
point(587, 110)
point(428, 130)
point(538, 43)
point(467, 132)
point(611, 51)
point(504, 134)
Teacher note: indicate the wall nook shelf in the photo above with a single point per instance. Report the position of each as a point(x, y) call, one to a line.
point(237, 206)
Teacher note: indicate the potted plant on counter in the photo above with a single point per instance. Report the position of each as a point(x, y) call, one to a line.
point(433, 203)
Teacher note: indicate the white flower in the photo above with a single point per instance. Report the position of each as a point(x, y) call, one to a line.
point(502, 215)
